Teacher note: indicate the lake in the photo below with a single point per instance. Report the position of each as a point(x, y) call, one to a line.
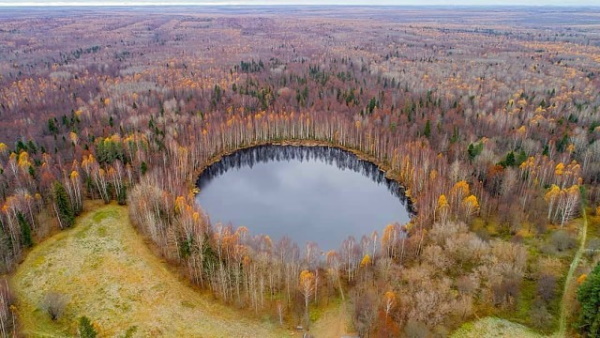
point(317, 194)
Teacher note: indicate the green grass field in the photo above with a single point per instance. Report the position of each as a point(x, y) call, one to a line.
point(494, 327)
point(107, 273)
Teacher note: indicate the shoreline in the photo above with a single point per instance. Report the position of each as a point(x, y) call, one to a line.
point(383, 167)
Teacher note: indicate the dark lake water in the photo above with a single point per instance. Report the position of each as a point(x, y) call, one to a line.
point(317, 194)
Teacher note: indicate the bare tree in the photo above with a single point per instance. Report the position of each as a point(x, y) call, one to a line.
point(54, 304)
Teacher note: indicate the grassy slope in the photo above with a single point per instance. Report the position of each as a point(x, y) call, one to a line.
point(110, 276)
point(494, 327)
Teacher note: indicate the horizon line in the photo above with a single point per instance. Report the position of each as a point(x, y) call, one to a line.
point(236, 4)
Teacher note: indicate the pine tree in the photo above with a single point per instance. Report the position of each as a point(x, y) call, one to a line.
point(64, 209)
point(52, 128)
point(26, 239)
point(122, 195)
point(427, 131)
point(510, 160)
point(143, 168)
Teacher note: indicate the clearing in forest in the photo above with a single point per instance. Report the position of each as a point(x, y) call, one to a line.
point(105, 271)
point(494, 327)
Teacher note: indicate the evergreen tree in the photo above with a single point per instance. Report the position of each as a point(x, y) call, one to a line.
point(65, 211)
point(455, 135)
point(546, 151)
point(474, 150)
point(471, 151)
point(427, 131)
point(510, 160)
point(26, 239)
point(52, 128)
point(562, 144)
point(143, 168)
point(122, 195)
point(588, 295)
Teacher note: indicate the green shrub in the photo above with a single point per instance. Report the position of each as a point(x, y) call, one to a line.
point(86, 329)
point(589, 297)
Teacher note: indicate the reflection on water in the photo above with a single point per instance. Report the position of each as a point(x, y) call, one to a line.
point(317, 194)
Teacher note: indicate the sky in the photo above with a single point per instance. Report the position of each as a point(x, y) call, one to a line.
point(298, 2)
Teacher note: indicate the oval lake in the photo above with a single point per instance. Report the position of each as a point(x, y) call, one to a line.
point(309, 194)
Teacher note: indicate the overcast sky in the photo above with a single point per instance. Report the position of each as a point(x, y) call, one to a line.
point(298, 2)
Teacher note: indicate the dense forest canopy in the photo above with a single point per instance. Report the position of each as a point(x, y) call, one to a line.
point(491, 121)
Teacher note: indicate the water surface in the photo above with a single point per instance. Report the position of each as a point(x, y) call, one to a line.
point(317, 194)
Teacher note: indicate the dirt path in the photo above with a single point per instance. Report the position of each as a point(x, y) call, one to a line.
point(107, 273)
point(562, 329)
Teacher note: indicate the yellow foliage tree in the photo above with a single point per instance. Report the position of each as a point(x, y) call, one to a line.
point(24, 160)
point(458, 192)
point(179, 204)
point(559, 169)
point(442, 202)
point(551, 197)
point(471, 205)
point(388, 240)
point(461, 187)
point(307, 287)
point(390, 302)
point(442, 208)
point(366, 261)
point(73, 137)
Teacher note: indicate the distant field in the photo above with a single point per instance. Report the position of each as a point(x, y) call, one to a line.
point(109, 275)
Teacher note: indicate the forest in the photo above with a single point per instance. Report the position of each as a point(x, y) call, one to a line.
point(490, 120)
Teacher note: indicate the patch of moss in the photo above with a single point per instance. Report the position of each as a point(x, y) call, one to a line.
point(39, 260)
point(99, 216)
point(130, 332)
point(315, 313)
point(102, 231)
